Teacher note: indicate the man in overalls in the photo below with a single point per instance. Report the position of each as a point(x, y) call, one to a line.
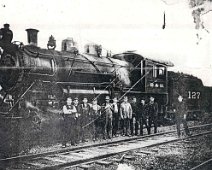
point(69, 113)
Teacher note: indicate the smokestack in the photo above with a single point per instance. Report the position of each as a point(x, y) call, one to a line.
point(32, 36)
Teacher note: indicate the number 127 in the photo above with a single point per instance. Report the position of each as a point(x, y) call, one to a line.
point(193, 95)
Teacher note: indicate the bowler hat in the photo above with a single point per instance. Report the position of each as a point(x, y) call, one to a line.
point(115, 98)
point(151, 97)
point(107, 98)
point(6, 25)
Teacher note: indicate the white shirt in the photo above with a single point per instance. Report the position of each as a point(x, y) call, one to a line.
point(67, 110)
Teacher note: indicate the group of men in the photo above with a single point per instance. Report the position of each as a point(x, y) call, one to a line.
point(109, 119)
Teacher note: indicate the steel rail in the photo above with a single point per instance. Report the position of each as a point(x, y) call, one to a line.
point(207, 165)
point(31, 156)
point(95, 158)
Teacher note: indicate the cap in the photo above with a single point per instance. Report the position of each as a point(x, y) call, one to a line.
point(85, 98)
point(151, 97)
point(107, 98)
point(7, 25)
point(76, 98)
point(180, 96)
point(115, 98)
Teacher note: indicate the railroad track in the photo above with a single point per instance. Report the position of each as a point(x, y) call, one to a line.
point(207, 165)
point(90, 153)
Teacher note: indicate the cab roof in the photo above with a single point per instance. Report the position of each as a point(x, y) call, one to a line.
point(121, 56)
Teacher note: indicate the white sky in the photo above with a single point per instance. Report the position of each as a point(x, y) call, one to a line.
point(118, 25)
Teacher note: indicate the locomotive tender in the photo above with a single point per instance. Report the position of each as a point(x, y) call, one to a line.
point(44, 76)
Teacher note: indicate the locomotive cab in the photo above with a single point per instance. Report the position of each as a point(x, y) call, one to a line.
point(149, 77)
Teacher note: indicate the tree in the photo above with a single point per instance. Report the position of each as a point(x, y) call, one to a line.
point(198, 9)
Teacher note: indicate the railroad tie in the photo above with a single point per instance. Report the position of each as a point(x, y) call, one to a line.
point(139, 154)
point(117, 160)
point(145, 152)
point(86, 167)
point(154, 150)
point(162, 147)
point(104, 163)
point(129, 157)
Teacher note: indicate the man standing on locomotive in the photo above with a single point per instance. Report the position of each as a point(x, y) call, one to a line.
point(152, 114)
point(69, 112)
point(180, 115)
point(126, 115)
point(6, 35)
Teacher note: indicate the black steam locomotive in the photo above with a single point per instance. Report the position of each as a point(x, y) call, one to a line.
point(44, 77)
point(196, 95)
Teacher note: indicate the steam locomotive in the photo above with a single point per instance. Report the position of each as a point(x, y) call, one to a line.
point(44, 77)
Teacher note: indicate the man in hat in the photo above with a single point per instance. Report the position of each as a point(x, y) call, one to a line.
point(108, 115)
point(126, 115)
point(135, 113)
point(69, 112)
point(77, 119)
point(180, 115)
point(95, 115)
point(6, 35)
point(84, 110)
point(76, 104)
point(115, 109)
point(141, 117)
point(152, 114)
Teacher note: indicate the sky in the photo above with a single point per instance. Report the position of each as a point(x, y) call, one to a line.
point(119, 25)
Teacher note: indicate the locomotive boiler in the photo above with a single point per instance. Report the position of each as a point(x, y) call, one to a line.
point(66, 70)
point(44, 76)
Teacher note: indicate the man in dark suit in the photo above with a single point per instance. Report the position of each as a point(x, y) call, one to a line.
point(141, 117)
point(84, 110)
point(6, 35)
point(180, 115)
point(135, 113)
point(115, 109)
point(77, 119)
point(152, 114)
